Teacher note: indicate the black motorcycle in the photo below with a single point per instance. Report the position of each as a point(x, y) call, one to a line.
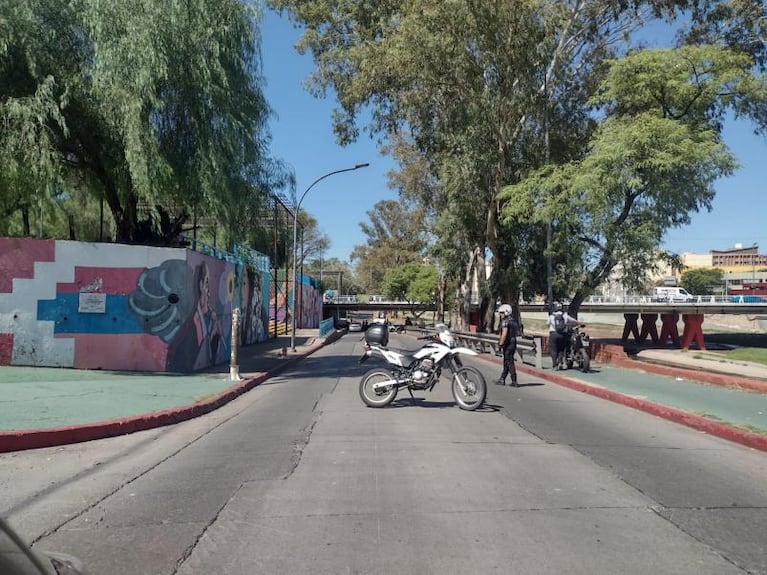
point(576, 352)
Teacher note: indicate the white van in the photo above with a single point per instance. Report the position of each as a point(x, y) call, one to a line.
point(672, 294)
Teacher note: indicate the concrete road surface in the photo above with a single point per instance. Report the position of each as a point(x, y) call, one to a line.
point(298, 476)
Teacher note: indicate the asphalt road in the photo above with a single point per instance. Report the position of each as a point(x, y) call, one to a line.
point(298, 476)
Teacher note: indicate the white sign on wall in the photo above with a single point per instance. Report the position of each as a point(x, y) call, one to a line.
point(92, 303)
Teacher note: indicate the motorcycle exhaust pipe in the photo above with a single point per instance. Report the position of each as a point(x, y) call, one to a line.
point(386, 383)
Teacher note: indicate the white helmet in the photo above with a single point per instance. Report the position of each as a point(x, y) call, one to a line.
point(505, 309)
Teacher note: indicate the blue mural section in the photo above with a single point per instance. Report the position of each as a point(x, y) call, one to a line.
point(64, 313)
point(326, 326)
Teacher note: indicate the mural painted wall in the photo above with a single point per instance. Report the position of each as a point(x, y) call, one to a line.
point(112, 306)
point(309, 303)
point(254, 306)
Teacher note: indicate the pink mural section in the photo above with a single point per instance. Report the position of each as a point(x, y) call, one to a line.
point(127, 352)
point(112, 306)
point(18, 257)
point(6, 348)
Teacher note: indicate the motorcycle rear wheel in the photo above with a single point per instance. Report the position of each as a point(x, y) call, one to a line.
point(381, 397)
point(469, 388)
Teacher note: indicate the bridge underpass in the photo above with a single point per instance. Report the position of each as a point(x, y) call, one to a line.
point(692, 315)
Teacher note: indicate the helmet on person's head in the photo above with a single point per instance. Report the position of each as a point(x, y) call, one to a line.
point(557, 306)
point(505, 309)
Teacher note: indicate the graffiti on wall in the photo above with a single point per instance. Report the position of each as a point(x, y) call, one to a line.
point(308, 304)
point(175, 303)
point(111, 306)
point(254, 306)
point(311, 307)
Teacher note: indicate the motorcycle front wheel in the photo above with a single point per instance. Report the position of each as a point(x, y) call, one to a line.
point(382, 396)
point(469, 388)
point(584, 360)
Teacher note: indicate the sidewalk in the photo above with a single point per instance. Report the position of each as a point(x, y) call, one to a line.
point(720, 397)
point(41, 407)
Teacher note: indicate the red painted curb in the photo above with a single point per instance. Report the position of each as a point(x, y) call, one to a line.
point(752, 440)
point(698, 422)
point(37, 438)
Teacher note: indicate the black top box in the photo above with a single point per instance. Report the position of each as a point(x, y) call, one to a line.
point(378, 334)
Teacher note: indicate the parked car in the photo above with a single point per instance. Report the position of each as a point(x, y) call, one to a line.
point(672, 295)
point(355, 326)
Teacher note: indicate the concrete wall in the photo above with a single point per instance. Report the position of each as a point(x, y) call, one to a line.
point(119, 307)
point(309, 303)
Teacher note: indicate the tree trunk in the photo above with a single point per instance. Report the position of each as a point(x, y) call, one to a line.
point(575, 304)
point(441, 299)
point(466, 292)
point(126, 223)
point(25, 220)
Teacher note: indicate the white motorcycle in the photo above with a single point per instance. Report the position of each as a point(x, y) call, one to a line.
point(421, 370)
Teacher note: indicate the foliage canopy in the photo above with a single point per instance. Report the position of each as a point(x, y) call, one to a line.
point(153, 107)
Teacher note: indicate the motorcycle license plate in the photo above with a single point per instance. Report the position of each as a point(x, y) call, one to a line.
point(585, 343)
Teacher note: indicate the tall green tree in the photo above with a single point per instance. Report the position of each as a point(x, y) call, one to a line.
point(488, 92)
point(652, 162)
point(395, 236)
point(471, 82)
point(154, 108)
point(412, 282)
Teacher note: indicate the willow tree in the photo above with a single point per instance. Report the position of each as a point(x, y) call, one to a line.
point(154, 107)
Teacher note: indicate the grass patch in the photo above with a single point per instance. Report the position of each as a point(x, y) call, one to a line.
point(752, 354)
point(742, 426)
point(752, 429)
point(708, 415)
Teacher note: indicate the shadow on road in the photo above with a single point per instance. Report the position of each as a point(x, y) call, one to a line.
point(420, 402)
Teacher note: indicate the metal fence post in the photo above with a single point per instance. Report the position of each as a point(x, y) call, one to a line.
point(234, 374)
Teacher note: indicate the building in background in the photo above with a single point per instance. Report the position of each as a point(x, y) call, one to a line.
point(739, 259)
point(742, 267)
point(695, 261)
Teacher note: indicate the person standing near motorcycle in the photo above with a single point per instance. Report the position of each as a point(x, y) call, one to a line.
point(559, 328)
point(507, 342)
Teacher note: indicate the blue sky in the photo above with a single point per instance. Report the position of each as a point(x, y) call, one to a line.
point(303, 137)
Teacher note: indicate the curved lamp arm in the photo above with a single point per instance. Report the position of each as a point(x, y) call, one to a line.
point(295, 226)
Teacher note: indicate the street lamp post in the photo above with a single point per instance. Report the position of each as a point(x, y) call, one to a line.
point(754, 253)
point(295, 233)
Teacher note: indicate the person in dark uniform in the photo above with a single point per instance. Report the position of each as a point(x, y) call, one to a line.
point(507, 342)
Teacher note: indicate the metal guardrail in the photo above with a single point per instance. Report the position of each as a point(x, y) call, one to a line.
point(704, 306)
point(327, 326)
point(488, 343)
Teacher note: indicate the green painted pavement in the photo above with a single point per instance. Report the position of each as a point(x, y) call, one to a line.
point(44, 398)
point(728, 405)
